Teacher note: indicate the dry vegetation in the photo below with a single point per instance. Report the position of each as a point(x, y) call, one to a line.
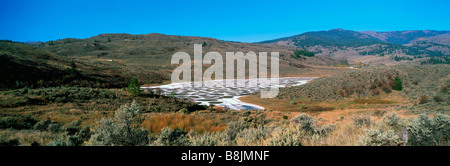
point(350, 107)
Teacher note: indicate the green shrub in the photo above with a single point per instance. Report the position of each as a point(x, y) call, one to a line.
point(392, 120)
point(363, 120)
point(303, 107)
point(442, 127)
point(444, 89)
point(172, 137)
point(123, 130)
point(54, 127)
point(294, 103)
point(73, 72)
point(397, 84)
point(183, 111)
point(437, 99)
point(252, 136)
point(290, 136)
point(134, 88)
point(208, 139)
point(323, 130)
point(13, 142)
point(48, 125)
point(58, 142)
point(299, 53)
point(42, 125)
point(426, 131)
point(306, 122)
point(285, 117)
point(76, 134)
point(233, 128)
point(380, 138)
point(17, 122)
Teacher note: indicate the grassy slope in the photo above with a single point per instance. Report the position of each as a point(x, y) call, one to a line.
point(417, 81)
point(24, 65)
point(351, 93)
point(147, 57)
point(358, 47)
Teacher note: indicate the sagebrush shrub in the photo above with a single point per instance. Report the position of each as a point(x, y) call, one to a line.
point(323, 130)
point(54, 127)
point(442, 127)
point(208, 139)
point(252, 136)
point(426, 131)
point(234, 128)
point(172, 137)
point(183, 111)
point(58, 142)
point(289, 136)
point(17, 122)
point(76, 134)
point(12, 142)
point(122, 130)
point(379, 138)
point(437, 98)
point(48, 125)
point(363, 120)
point(306, 122)
point(392, 120)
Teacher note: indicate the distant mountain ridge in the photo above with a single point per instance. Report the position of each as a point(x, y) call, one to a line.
point(405, 37)
point(374, 48)
point(334, 37)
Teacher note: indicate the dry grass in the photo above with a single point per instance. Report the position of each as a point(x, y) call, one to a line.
point(198, 123)
point(373, 101)
point(328, 112)
point(27, 137)
point(345, 134)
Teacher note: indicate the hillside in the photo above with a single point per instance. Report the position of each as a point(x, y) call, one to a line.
point(416, 81)
point(406, 37)
point(334, 37)
point(23, 65)
point(147, 57)
point(372, 48)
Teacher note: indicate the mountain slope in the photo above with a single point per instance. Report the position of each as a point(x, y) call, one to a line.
point(371, 48)
point(406, 37)
point(112, 60)
point(429, 80)
point(147, 57)
point(22, 65)
point(334, 37)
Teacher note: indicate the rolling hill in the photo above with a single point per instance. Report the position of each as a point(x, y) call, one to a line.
point(111, 60)
point(373, 48)
point(406, 37)
point(416, 81)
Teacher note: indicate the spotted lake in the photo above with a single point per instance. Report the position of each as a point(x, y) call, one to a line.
point(220, 96)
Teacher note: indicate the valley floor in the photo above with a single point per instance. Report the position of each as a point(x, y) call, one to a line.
point(73, 116)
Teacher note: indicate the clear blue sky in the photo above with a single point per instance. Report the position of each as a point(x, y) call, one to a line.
point(245, 21)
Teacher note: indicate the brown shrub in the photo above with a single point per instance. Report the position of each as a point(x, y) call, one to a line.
point(437, 98)
point(423, 99)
